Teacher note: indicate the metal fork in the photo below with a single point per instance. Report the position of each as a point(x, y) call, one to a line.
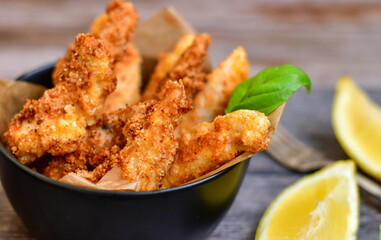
point(297, 156)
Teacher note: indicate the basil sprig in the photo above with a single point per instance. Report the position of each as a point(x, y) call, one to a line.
point(268, 89)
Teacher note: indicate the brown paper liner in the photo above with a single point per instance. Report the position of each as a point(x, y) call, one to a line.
point(158, 34)
point(274, 118)
point(13, 95)
point(113, 181)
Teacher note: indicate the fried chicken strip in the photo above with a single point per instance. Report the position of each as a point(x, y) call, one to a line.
point(115, 28)
point(188, 69)
point(165, 63)
point(57, 122)
point(153, 148)
point(87, 154)
point(214, 97)
point(151, 145)
point(210, 145)
point(108, 132)
point(128, 73)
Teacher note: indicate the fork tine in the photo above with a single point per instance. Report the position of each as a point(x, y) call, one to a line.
point(294, 154)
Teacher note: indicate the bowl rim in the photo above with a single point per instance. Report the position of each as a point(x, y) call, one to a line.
point(75, 188)
point(34, 71)
point(48, 180)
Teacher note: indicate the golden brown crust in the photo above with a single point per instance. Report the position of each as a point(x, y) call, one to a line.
point(214, 97)
point(210, 145)
point(165, 64)
point(149, 156)
point(115, 27)
point(61, 64)
point(92, 149)
point(57, 122)
point(55, 168)
point(150, 142)
point(188, 69)
point(106, 159)
point(128, 73)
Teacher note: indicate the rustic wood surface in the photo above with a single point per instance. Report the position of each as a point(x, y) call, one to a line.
point(325, 38)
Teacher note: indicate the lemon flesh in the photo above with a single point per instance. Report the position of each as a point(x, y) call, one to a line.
point(356, 121)
point(323, 205)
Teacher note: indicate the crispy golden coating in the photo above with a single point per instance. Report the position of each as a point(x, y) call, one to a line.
point(150, 143)
point(60, 66)
point(57, 122)
point(106, 159)
point(214, 97)
point(148, 157)
point(108, 132)
point(55, 168)
point(188, 69)
point(115, 27)
point(210, 145)
point(100, 163)
point(128, 73)
point(165, 64)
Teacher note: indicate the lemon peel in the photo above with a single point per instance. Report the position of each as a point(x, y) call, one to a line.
point(356, 121)
point(323, 205)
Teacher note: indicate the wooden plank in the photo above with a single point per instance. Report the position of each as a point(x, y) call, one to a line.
point(324, 38)
point(256, 194)
point(306, 116)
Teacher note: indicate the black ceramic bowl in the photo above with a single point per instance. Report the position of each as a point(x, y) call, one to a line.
point(55, 210)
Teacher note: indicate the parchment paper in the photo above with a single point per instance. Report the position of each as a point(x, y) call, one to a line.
point(158, 34)
point(13, 95)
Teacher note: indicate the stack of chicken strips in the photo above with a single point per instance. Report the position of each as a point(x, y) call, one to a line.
point(95, 118)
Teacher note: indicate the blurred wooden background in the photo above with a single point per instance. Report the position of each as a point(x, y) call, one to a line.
point(324, 38)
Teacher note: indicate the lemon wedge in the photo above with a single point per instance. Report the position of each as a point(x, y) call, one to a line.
point(356, 121)
point(321, 206)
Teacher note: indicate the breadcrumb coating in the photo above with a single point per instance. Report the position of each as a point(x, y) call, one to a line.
point(188, 69)
point(165, 63)
point(115, 27)
point(150, 143)
point(57, 122)
point(209, 145)
point(211, 101)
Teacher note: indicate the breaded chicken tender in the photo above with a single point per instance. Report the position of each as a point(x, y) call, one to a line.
point(108, 132)
point(209, 145)
point(165, 64)
point(86, 155)
point(55, 168)
point(103, 162)
point(188, 69)
point(115, 28)
point(151, 145)
point(128, 73)
point(57, 122)
point(214, 97)
point(148, 157)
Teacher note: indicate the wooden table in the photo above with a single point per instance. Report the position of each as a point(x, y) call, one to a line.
point(324, 38)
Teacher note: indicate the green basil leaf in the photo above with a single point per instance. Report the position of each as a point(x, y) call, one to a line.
point(268, 89)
